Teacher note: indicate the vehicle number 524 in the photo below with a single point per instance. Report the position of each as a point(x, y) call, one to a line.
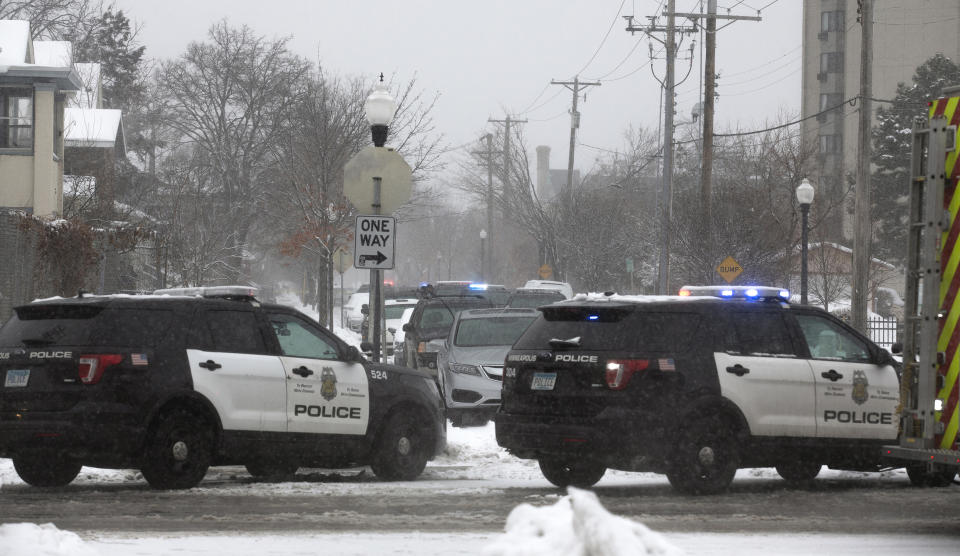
point(377, 374)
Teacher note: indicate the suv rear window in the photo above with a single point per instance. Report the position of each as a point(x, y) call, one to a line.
point(66, 325)
point(607, 329)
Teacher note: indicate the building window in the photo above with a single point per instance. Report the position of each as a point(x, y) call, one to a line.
point(829, 100)
point(829, 144)
point(16, 118)
point(831, 21)
point(831, 62)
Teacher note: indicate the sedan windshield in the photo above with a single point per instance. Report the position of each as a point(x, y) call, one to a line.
point(493, 331)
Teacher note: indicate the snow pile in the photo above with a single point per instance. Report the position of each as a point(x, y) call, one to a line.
point(577, 525)
point(17, 539)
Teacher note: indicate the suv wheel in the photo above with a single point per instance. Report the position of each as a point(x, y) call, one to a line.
point(46, 470)
point(919, 476)
point(564, 472)
point(705, 458)
point(799, 471)
point(402, 450)
point(271, 468)
point(179, 452)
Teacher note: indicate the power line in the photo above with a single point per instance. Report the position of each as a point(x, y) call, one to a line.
point(605, 36)
point(625, 58)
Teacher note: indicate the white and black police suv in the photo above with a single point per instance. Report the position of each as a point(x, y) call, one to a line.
point(175, 382)
point(695, 387)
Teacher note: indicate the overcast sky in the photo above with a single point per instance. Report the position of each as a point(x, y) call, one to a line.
point(492, 57)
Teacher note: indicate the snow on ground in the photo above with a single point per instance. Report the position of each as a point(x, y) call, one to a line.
point(576, 524)
point(477, 465)
point(46, 540)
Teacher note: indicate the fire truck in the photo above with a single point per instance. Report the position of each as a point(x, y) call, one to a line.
point(928, 385)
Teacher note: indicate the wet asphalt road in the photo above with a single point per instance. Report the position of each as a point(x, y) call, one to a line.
point(230, 501)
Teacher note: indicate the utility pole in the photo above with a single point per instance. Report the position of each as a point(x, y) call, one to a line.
point(488, 154)
point(507, 159)
point(709, 93)
point(507, 168)
point(862, 221)
point(576, 85)
point(666, 188)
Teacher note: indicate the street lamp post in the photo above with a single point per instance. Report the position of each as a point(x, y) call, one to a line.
point(380, 108)
point(805, 198)
point(483, 245)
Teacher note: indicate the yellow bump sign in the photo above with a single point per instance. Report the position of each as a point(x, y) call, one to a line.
point(729, 269)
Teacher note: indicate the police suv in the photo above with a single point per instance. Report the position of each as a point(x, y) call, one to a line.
point(695, 386)
point(175, 382)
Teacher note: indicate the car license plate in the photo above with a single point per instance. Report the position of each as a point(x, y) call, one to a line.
point(17, 378)
point(543, 381)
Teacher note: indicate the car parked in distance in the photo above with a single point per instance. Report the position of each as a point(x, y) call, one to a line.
point(470, 361)
point(562, 287)
point(496, 293)
point(431, 320)
point(353, 310)
point(398, 333)
point(392, 312)
point(533, 297)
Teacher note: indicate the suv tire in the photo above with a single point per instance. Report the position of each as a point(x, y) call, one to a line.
point(705, 458)
point(799, 471)
point(46, 471)
point(179, 452)
point(919, 476)
point(402, 449)
point(564, 473)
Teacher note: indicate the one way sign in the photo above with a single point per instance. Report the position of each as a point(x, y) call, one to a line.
point(374, 242)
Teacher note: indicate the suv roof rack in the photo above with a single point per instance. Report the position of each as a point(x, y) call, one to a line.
point(766, 293)
point(240, 293)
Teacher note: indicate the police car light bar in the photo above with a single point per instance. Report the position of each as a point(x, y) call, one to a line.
point(736, 292)
point(210, 291)
point(480, 287)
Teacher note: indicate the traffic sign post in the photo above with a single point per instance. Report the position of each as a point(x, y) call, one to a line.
point(392, 183)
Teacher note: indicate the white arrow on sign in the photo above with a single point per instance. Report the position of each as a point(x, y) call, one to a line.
point(374, 245)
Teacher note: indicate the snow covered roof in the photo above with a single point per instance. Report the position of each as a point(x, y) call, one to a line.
point(18, 63)
point(85, 127)
point(55, 54)
point(846, 250)
point(89, 94)
point(15, 46)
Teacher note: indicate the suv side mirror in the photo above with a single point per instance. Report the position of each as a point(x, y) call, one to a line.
point(367, 347)
point(407, 327)
point(896, 348)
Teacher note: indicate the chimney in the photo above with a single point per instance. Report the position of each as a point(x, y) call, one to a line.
point(544, 189)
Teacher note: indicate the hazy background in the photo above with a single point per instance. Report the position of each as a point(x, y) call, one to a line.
point(488, 59)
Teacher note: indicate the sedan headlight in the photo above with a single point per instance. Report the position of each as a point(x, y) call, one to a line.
point(465, 369)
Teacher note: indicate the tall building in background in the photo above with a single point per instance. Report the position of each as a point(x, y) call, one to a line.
point(905, 33)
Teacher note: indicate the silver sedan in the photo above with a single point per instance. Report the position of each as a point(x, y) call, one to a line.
point(470, 361)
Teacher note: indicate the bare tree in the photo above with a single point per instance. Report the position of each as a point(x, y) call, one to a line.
point(756, 219)
point(52, 19)
point(231, 98)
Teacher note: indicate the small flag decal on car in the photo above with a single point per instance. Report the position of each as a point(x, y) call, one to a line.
point(138, 358)
point(666, 365)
